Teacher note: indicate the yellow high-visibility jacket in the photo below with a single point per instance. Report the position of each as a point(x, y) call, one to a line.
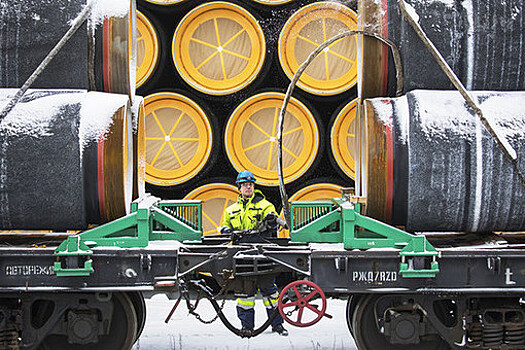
point(245, 214)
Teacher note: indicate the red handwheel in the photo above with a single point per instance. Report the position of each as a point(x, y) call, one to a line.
point(300, 294)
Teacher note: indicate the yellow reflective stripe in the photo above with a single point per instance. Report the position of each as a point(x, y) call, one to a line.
point(246, 302)
point(273, 301)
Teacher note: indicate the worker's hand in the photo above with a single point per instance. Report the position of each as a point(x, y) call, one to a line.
point(271, 221)
point(225, 230)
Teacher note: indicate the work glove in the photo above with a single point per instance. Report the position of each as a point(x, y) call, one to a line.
point(225, 230)
point(271, 221)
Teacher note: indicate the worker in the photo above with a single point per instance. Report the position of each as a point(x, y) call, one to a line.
point(251, 208)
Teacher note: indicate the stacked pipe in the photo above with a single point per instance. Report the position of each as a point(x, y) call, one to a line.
point(426, 162)
point(214, 75)
point(67, 155)
point(480, 40)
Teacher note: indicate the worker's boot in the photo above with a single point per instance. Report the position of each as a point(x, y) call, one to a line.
point(280, 329)
point(246, 332)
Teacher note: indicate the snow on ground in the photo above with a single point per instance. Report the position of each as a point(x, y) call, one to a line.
point(184, 331)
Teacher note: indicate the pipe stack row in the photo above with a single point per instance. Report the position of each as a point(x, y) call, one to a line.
point(72, 149)
point(214, 74)
point(426, 161)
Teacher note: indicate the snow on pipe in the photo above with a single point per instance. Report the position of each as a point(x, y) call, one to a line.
point(65, 159)
point(433, 167)
point(100, 56)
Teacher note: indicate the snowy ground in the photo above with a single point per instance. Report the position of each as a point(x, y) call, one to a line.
point(184, 331)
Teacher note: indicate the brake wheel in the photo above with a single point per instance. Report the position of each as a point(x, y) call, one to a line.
point(299, 295)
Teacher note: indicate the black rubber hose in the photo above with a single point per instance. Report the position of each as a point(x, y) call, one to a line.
point(238, 331)
point(241, 333)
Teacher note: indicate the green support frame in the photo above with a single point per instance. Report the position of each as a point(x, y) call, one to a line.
point(340, 221)
point(149, 220)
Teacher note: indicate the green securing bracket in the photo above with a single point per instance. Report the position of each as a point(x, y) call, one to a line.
point(418, 247)
point(150, 219)
point(340, 221)
point(75, 249)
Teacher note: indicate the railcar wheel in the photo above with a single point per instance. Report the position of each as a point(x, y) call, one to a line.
point(366, 325)
point(353, 300)
point(140, 311)
point(122, 334)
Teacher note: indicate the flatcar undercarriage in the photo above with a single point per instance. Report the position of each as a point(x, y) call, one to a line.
point(403, 294)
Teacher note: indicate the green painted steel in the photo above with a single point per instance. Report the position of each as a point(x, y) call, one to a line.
point(340, 221)
point(150, 220)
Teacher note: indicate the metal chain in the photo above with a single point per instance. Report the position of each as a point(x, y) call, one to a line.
point(192, 308)
point(198, 317)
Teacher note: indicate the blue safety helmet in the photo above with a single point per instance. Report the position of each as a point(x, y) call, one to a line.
point(244, 176)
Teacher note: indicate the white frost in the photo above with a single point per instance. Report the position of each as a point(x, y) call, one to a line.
point(435, 108)
point(108, 8)
point(138, 102)
point(442, 113)
point(35, 112)
point(33, 118)
point(96, 115)
point(448, 3)
point(469, 8)
point(383, 109)
point(507, 111)
point(403, 117)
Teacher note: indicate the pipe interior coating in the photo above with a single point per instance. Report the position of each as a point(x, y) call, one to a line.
point(335, 70)
point(250, 138)
point(272, 2)
point(342, 138)
point(433, 166)
point(66, 159)
point(165, 2)
point(219, 48)
point(179, 138)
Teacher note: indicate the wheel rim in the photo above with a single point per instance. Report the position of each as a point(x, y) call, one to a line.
point(251, 138)
point(218, 48)
point(139, 305)
point(320, 191)
point(178, 139)
point(147, 49)
point(342, 139)
point(335, 70)
point(367, 335)
point(216, 197)
point(350, 309)
point(122, 334)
